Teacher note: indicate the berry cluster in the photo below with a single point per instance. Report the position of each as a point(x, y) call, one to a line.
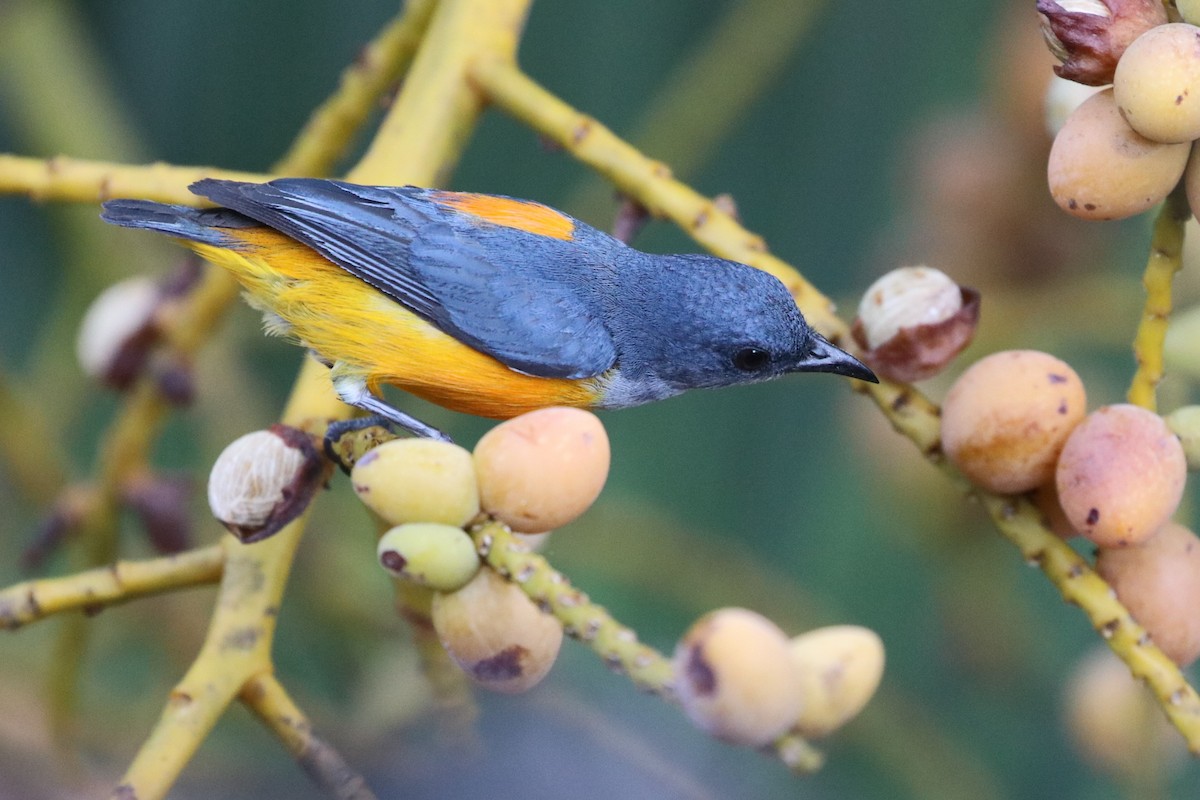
point(1125, 147)
point(1015, 422)
point(737, 675)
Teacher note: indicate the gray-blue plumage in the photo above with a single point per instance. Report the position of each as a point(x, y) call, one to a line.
point(649, 325)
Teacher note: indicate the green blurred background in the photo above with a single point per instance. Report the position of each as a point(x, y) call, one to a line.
point(873, 136)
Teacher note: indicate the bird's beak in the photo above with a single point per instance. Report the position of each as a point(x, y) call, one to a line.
point(824, 357)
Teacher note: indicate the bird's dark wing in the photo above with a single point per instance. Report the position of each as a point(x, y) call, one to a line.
point(419, 252)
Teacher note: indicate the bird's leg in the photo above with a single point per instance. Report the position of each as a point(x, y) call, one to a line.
point(352, 390)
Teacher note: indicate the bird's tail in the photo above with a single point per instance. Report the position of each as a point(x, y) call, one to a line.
point(205, 226)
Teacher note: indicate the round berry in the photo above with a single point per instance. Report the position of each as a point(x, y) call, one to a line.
point(1114, 721)
point(839, 669)
point(1100, 168)
point(735, 677)
point(1159, 582)
point(1121, 475)
point(1006, 418)
point(543, 469)
point(418, 480)
point(438, 556)
point(1157, 83)
point(496, 634)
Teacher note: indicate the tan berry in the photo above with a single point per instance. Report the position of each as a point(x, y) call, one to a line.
point(1159, 582)
point(1089, 36)
point(263, 480)
point(735, 677)
point(418, 480)
point(496, 634)
point(1113, 720)
point(543, 469)
point(1005, 419)
point(1157, 85)
point(439, 556)
point(1100, 168)
point(1121, 475)
point(117, 330)
point(839, 669)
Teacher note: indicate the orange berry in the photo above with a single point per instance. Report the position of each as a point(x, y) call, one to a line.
point(1006, 418)
point(543, 469)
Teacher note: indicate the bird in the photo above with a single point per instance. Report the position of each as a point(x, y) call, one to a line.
point(486, 304)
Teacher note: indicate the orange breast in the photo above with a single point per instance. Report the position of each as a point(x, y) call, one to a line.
point(342, 318)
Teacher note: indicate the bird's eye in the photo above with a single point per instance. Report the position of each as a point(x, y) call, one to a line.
point(751, 359)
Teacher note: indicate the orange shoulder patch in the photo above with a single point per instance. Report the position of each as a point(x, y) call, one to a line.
point(524, 215)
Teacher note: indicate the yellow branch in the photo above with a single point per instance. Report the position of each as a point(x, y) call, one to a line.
point(82, 181)
point(1166, 258)
point(324, 138)
point(749, 47)
point(23, 603)
point(266, 697)
point(424, 133)
point(1022, 524)
point(420, 139)
point(238, 644)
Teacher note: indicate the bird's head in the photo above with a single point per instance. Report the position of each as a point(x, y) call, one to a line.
point(700, 321)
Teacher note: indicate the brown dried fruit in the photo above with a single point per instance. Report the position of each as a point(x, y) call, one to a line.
point(1089, 36)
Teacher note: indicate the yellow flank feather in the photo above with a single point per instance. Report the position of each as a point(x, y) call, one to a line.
point(342, 318)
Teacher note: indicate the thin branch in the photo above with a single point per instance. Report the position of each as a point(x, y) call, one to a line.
point(328, 133)
point(1165, 259)
point(1022, 524)
point(23, 603)
point(79, 180)
point(265, 696)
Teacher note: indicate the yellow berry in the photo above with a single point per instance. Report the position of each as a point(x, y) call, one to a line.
point(1006, 418)
point(431, 554)
point(1189, 10)
point(496, 634)
point(418, 480)
point(735, 677)
point(543, 469)
point(1185, 423)
point(1121, 475)
point(1159, 582)
point(1157, 83)
point(1100, 168)
point(839, 669)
